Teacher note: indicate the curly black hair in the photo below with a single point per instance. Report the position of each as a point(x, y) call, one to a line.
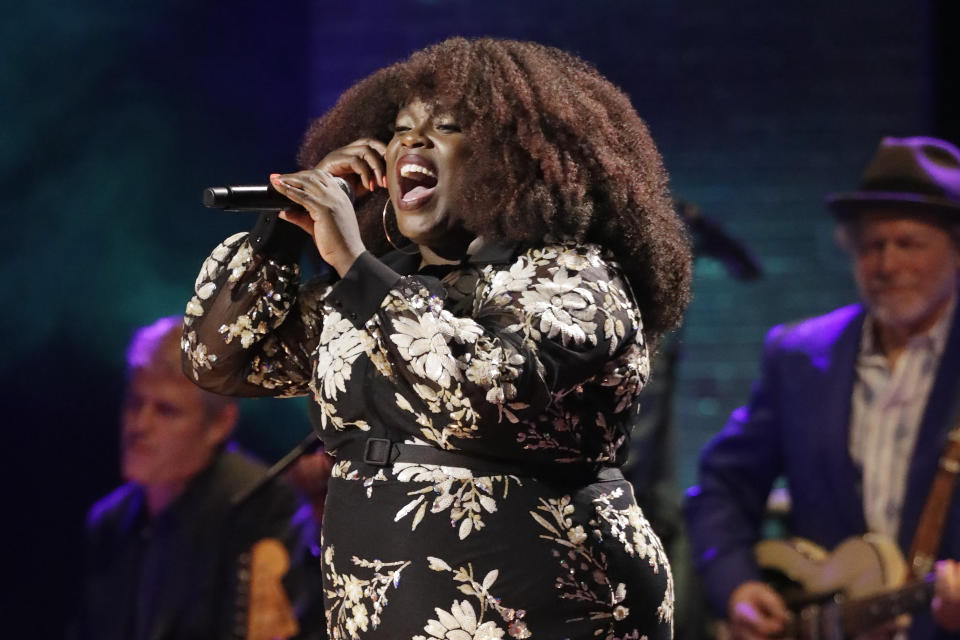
point(558, 150)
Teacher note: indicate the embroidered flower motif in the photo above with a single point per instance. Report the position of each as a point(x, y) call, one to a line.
point(196, 353)
point(576, 535)
point(496, 369)
point(194, 307)
point(422, 341)
point(627, 375)
point(564, 308)
point(583, 572)
point(340, 345)
point(516, 279)
point(348, 595)
point(633, 531)
point(478, 363)
point(214, 265)
point(463, 622)
point(239, 262)
point(273, 286)
point(460, 623)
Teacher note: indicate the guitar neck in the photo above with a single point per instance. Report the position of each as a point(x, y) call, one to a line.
point(859, 616)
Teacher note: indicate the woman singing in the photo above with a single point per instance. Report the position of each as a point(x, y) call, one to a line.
point(475, 383)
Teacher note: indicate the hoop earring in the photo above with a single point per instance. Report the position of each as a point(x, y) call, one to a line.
point(383, 217)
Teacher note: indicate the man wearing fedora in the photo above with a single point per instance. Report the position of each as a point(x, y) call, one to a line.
point(854, 408)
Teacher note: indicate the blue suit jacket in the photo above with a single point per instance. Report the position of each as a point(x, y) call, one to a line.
point(797, 425)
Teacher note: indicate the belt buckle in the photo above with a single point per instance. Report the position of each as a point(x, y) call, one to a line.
point(376, 452)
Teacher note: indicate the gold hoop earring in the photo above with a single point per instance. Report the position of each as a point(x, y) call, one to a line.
point(383, 217)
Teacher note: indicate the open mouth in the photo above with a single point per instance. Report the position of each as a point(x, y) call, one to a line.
point(417, 180)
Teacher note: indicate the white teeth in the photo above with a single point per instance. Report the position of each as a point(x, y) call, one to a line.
point(407, 169)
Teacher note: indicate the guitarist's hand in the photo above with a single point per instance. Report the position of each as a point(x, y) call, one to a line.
point(756, 612)
point(946, 595)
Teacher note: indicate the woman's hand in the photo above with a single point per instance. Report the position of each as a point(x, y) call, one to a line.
point(329, 215)
point(361, 162)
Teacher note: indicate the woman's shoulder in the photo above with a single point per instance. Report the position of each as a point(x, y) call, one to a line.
point(559, 266)
point(553, 253)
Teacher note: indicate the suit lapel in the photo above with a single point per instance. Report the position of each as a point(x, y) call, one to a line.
point(939, 417)
point(845, 477)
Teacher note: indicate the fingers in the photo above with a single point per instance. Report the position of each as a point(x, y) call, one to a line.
point(946, 589)
point(380, 147)
point(756, 611)
point(369, 171)
point(314, 190)
point(757, 621)
point(364, 158)
point(772, 605)
point(330, 217)
point(299, 218)
point(947, 580)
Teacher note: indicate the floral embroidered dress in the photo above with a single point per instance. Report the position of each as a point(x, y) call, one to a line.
point(531, 358)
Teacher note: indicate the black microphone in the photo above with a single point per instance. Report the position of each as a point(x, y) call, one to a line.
point(257, 197)
point(711, 239)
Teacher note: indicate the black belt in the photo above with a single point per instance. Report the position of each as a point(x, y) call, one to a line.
point(381, 452)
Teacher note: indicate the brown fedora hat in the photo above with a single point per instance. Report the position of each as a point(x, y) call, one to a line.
point(917, 174)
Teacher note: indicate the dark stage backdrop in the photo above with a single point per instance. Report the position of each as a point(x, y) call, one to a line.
point(116, 114)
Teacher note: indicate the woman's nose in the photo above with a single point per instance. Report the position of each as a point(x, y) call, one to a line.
point(413, 138)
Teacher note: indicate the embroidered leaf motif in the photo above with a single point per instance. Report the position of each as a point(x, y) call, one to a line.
point(407, 509)
point(546, 525)
point(490, 578)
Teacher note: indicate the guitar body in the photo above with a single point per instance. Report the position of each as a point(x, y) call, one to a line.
point(857, 568)
point(844, 593)
point(267, 614)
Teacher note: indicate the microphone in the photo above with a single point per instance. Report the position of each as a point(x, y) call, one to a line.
point(711, 239)
point(257, 197)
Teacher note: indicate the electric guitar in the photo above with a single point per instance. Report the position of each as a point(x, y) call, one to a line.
point(835, 596)
point(265, 612)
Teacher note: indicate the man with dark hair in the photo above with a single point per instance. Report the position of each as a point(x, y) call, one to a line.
point(854, 408)
point(168, 552)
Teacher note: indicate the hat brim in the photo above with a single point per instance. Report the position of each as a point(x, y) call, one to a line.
point(843, 205)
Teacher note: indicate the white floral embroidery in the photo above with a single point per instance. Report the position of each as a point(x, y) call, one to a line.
point(462, 622)
point(214, 264)
point(340, 345)
point(627, 375)
point(498, 362)
point(343, 469)
point(636, 535)
point(583, 568)
point(516, 279)
point(274, 294)
point(564, 307)
point(355, 604)
point(239, 262)
point(422, 341)
point(454, 489)
point(196, 353)
point(449, 404)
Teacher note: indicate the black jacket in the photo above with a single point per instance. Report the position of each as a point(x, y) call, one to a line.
point(176, 577)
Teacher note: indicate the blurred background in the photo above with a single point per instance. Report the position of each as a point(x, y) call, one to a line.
point(115, 115)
